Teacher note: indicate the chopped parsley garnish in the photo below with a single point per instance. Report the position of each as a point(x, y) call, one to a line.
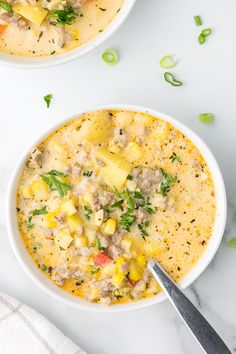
point(88, 212)
point(95, 270)
point(55, 184)
point(142, 228)
point(88, 173)
point(43, 267)
point(129, 178)
point(118, 204)
point(100, 248)
point(47, 99)
point(6, 6)
point(63, 17)
point(126, 220)
point(174, 157)
point(144, 202)
point(168, 180)
point(232, 242)
point(35, 212)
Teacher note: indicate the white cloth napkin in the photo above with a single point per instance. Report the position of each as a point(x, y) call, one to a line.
point(25, 331)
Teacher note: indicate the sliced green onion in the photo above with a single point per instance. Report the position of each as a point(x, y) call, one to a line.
point(201, 38)
point(110, 57)
point(169, 77)
point(206, 32)
point(47, 99)
point(168, 62)
point(206, 117)
point(198, 20)
point(232, 242)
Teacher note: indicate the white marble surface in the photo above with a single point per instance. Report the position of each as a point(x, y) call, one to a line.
point(155, 28)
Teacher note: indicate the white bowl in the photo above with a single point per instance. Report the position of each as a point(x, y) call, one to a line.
point(39, 278)
point(40, 62)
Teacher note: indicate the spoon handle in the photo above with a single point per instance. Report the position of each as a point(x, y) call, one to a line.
point(206, 336)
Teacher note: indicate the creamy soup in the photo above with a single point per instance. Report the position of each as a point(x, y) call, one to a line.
point(50, 27)
point(106, 192)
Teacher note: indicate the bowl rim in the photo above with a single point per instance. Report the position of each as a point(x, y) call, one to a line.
point(48, 286)
point(24, 62)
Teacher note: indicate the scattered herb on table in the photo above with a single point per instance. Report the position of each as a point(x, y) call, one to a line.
point(167, 62)
point(198, 20)
point(203, 35)
point(48, 99)
point(206, 118)
point(232, 242)
point(110, 57)
point(169, 77)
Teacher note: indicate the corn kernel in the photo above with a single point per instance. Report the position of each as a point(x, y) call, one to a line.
point(75, 34)
point(40, 190)
point(119, 262)
point(75, 223)
point(81, 241)
point(50, 221)
point(109, 227)
point(133, 151)
point(141, 260)
point(68, 208)
point(87, 198)
point(63, 239)
point(26, 192)
point(126, 244)
point(135, 272)
point(117, 279)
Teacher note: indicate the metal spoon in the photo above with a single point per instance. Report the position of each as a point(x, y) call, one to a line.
point(206, 336)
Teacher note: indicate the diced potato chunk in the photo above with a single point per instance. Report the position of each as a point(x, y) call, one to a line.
point(135, 272)
point(123, 119)
point(40, 190)
point(117, 279)
point(131, 185)
point(126, 244)
point(116, 170)
point(152, 249)
point(141, 260)
point(97, 129)
point(81, 241)
point(49, 220)
point(143, 119)
point(98, 217)
point(161, 131)
point(63, 239)
point(133, 151)
point(109, 227)
point(68, 208)
point(34, 13)
point(109, 269)
point(91, 234)
point(75, 223)
point(26, 192)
